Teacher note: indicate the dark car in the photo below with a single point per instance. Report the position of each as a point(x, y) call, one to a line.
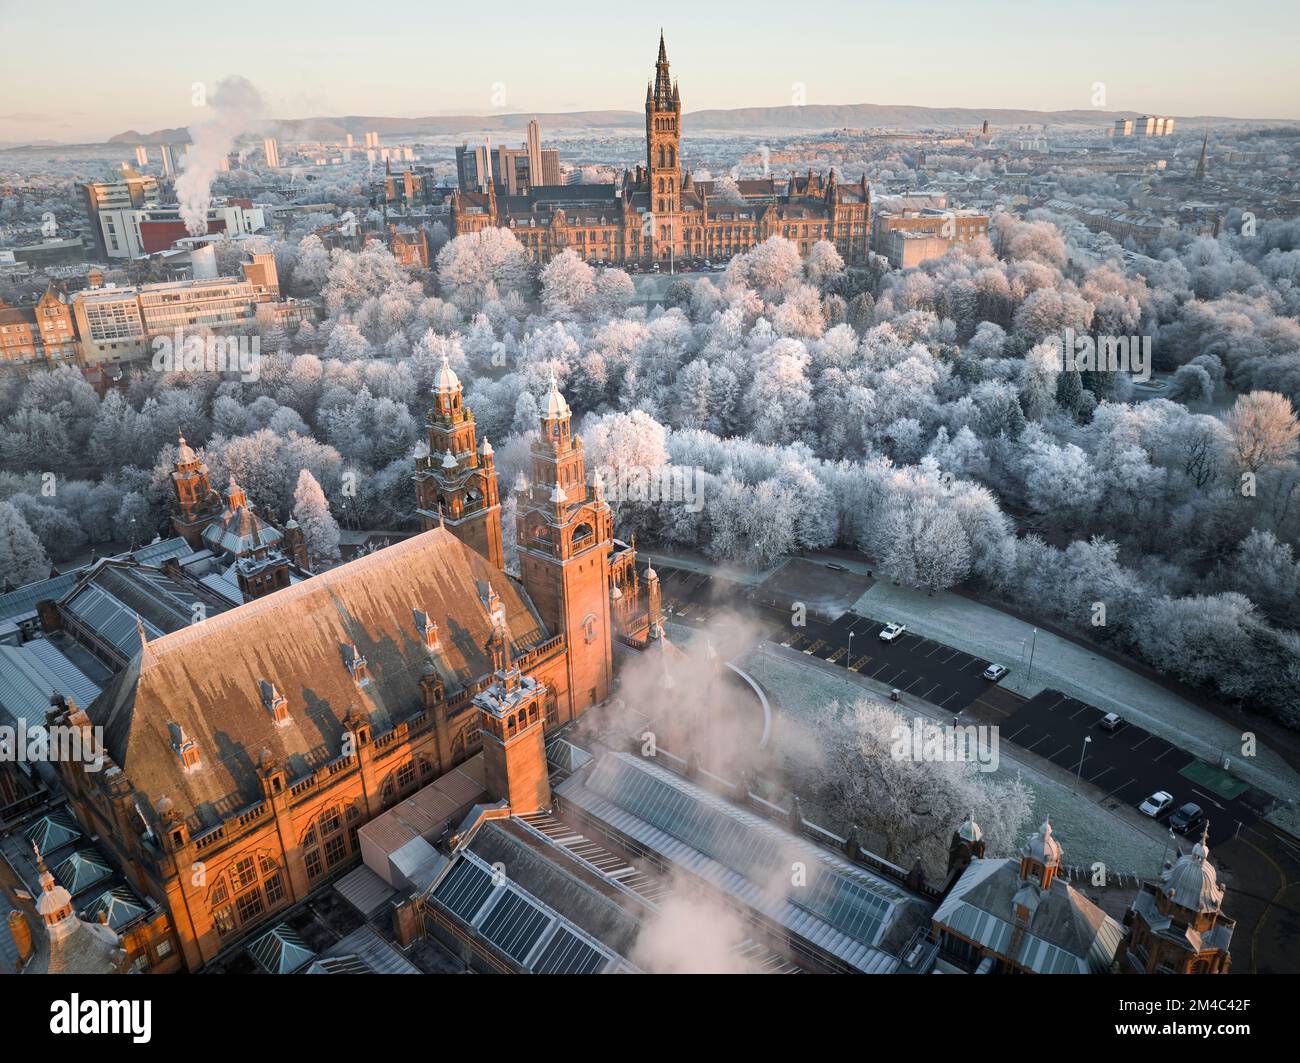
point(1187, 819)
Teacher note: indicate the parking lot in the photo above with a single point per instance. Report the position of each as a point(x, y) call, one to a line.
point(1128, 764)
point(933, 672)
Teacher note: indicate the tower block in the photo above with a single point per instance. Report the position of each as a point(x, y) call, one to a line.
point(456, 484)
point(565, 537)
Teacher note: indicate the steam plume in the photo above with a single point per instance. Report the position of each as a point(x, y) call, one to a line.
point(235, 108)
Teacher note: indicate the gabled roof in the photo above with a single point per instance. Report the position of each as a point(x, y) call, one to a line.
point(207, 677)
point(1067, 933)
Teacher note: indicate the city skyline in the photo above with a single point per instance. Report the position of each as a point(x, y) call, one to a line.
point(304, 72)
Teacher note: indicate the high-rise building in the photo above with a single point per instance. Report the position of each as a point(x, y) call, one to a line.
point(272, 151)
point(106, 204)
point(168, 161)
point(141, 156)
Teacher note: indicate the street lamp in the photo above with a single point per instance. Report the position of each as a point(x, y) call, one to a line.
point(1033, 643)
point(1078, 778)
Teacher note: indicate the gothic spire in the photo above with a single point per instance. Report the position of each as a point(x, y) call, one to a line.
point(663, 83)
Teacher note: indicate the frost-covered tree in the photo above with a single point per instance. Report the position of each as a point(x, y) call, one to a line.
point(320, 530)
point(873, 779)
point(477, 267)
point(1264, 430)
point(568, 286)
point(22, 558)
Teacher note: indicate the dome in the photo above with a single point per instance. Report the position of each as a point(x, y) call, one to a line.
point(1193, 883)
point(447, 381)
point(1042, 846)
point(449, 460)
point(554, 406)
point(970, 830)
point(53, 899)
point(184, 452)
point(486, 449)
point(651, 574)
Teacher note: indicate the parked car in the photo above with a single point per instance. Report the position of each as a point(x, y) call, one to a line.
point(1157, 804)
point(1112, 722)
point(996, 672)
point(1187, 819)
point(890, 632)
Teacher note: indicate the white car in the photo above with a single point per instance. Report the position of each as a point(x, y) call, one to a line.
point(890, 632)
point(995, 672)
point(1157, 804)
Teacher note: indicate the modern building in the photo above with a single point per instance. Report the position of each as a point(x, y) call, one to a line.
point(107, 200)
point(513, 170)
point(659, 212)
point(116, 324)
point(271, 151)
point(137, 232)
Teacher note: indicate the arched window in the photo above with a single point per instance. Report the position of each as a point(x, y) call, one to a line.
point(672, 155)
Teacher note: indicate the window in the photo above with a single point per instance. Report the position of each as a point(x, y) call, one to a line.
point(224, 920)
point(274, 889)
point(249, 905)
point(336, 849)
point(330, 821)
point(406, 775)
point(244, 873)
point(313, 863)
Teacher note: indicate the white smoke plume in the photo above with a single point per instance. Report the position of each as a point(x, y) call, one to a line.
point(234, 108)
point(690, 934)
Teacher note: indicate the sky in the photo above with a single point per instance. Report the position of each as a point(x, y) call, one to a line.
point(107, 71)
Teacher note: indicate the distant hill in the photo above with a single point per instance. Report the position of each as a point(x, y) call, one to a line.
point(812, 117)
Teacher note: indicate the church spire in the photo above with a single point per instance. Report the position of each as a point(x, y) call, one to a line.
point(1200, 165)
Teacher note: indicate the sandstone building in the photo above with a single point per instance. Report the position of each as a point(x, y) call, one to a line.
point(660, 214)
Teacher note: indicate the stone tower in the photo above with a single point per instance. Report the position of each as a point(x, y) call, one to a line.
point(565, 536)
point(197, 504)
point(1177, 924)
point(456, 484)
point(512, 721)
point(663, 136)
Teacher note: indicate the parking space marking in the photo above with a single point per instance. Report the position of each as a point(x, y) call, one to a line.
point(926, 695)
point(835, 656)
point(1081, 709)
point(1120, 787)
point(949, 698)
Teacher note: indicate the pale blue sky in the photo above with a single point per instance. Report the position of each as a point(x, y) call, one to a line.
point(79, 69)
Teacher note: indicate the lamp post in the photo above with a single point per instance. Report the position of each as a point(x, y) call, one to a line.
point(1078, 776)
point(849, 659)
point(1033, 642)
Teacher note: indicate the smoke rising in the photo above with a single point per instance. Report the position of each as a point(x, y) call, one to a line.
point(690, 934)
point(234, 108)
